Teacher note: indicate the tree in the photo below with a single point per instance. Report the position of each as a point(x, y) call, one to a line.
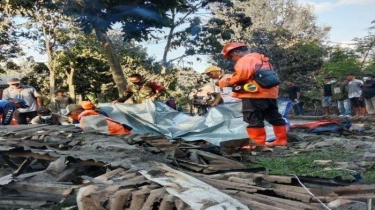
point(49, 23)
point(184, 31)
point(278, 28)
point(366, 46)
point(9, 47)
point(136, 18)
point(341, 62)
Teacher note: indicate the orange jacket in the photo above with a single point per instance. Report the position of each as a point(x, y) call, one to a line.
point(244, 71)
point(114, 128)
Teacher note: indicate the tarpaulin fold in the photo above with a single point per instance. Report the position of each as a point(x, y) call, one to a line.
point(221, 123)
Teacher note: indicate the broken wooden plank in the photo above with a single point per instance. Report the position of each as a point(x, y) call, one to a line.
point(293, 195)
point(43, 187)
point(254, 205)
point(27, 154)
point(119, 199)
point(138, 198)
point(278, 201)
point(154, 197)
point(167, 203)
point(166, 146)
point(254, 197)
point(316, 192)
point(354, 189)
point(20, 203)
point(240, 180)
point(270, 178)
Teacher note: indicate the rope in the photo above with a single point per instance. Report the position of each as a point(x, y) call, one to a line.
point(299, 181)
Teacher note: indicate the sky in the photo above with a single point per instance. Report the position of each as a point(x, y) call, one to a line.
point(347, 18)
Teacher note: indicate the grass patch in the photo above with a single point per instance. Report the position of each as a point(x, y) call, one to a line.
point(302, 164)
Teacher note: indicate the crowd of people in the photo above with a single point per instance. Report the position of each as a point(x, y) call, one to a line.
point(350, 97)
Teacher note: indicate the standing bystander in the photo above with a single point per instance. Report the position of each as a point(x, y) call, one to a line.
point(27, 93)
point(340, 94)
point(62, 101)
point(327, 100)
point(368, 93)
point(354, 94)
point(294, 94)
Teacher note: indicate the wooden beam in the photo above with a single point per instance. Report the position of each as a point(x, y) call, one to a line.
point(27, 154)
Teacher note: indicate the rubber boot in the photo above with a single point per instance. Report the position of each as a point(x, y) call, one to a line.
point(280, 134)
point(258, 135)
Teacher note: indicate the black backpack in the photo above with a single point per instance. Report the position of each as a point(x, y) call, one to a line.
point(266, 78)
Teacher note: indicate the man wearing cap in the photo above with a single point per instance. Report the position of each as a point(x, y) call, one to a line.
point(225, 95)
point(140, 90)
point(45, 116)
point(73, 111)
point(260, 103)
point(8, 108)
point(27, 93)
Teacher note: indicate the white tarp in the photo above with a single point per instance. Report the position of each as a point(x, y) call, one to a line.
point(195, 193)
point(221, 123)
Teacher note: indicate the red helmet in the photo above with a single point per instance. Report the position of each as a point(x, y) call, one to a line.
point(231, 46)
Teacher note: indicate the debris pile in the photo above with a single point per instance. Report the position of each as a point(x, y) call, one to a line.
point(59, 167)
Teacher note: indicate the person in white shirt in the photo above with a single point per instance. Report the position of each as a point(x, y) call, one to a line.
point(225, 95)
point(354, 94)
point(27, 93)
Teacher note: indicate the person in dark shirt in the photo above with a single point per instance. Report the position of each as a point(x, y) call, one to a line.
point(327, 100)
point(368, 93)
point(62, 101)
point(171, 103)
point(294, 94)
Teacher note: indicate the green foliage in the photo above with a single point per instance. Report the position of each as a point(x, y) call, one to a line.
point(302, 164)
point(341, 62)
point(9, 48)
point(136, 17)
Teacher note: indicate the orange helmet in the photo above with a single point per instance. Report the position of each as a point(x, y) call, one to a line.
point(231, 46)
point(87, 105)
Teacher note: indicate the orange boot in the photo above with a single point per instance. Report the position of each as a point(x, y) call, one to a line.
point(258, 135)
point(281, 138)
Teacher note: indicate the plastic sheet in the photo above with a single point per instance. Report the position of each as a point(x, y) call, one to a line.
point(221, 123)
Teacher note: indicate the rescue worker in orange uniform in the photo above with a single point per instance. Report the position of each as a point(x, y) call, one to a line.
point(260, 104)
point(77, 112)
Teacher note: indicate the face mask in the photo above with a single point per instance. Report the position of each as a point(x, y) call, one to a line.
point(366, 78)
point(46, 117)
point(333, 81)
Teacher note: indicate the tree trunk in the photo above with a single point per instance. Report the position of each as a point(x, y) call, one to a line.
point(169, 40)
point(70, 81)
point(113, 61)
point(50, 66)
